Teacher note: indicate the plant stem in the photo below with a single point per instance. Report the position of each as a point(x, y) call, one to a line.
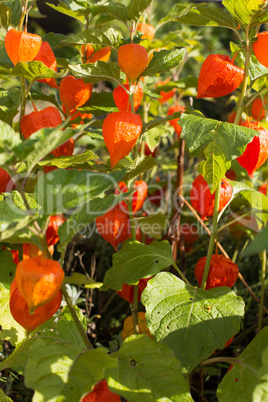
point(263, 273)
point(230, 360)
point(134, 309)
point(180, 273)
point(245, 81)
point(131, 219)
point(212, 237)
point(76, 319)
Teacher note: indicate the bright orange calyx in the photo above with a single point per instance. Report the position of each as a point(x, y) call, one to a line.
point(20, 311)
point(263, 189)
point(22, 46)
point(4, 179)
point(48, 117)
point(127, 291)
point(133, 60)
point(114, 226)
point(147, 30)
point(39, 279)
point(128, 328)
point(74, 92)
point(260, 48)
point(101, 393)
point(203, 201)
point(257, 109)
point(90, 56)
point(218, 77)
point(47, 57)
point(120, 132)
point(52, 230)
point(138, 197)
point(222, 271)
point(122, 100)
point(174, 123)
point(256, 152)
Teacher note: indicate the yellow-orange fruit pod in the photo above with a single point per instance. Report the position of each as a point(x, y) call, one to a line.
point(147, 30)
point(39, 279)
point(120, 132)
point(22, 46)
point(74, 92)
point(20, 312)
point(260, 48)
point(133, 60)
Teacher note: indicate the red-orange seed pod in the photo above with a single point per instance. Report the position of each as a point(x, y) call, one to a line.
point(48, 117)
point(203, 201)
point(39, 279)
point(47, 57)
point(127, 291)
point(114, 226)
point(101, 393)
point(147, 30)
point(174, 122)
point(133, 60)
point(22, 46)
point(120, 132)
point(20, 310)
point(219, 76)
point(4, 179)
point(122, 99)
point(256, 152)
point(138, 197)
point(222, 271)
point(260, 48)
point(74, 92)
point(52, 230)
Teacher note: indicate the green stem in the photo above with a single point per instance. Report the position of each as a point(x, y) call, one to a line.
point(230, 360)
point(245, 81)
point(24, 93)
point(131, 219)
point(212, 238)
point(180, 273)
point(76, 319)
point(263, 274)
point(134, 309)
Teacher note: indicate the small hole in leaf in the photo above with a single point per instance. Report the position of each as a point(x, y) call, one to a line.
point(190, 298)
point(10, 273)
point(156, 261)
point(167, 326)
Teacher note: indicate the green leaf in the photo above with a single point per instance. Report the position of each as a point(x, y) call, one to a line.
point(239, 383)
point(41, 143)
point(103, 102)
point(136, 8)
point(10, 329)
point(9, 103)
point(5, 15)
point(177, 11)
point(9, 139)
point(258, 244)
point(260, 392)
point(208, 16)
point(159, 120)
point(35, 70)
point(47, 367)
point(13, 218)
point(191, 321)
point(153, 137)
point(4, 398)
point(139, 166)
point(80, 279)
point(256, 69)
point(147, 260)
point(78, 14)
point(87, 214)
point(256, 200)
point(153, 225)
point(72, 161)
point(7, 273)
point(147, 371)
point(62, 190)
point(247, 12)
point(163, 61)
point(217, 142)
point(100, 71)
point(92, 364)
point(111, 11)
point(104, 37)
point(15, 6)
